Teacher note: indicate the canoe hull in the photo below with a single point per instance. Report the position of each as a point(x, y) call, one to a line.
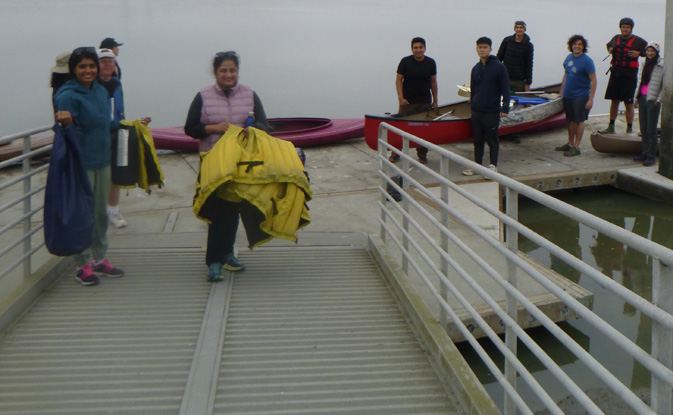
point(456, 127)
point(624, 143)
point(302, 132)
point(15, 148)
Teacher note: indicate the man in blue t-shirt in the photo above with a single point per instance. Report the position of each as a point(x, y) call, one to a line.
point(577, 89)
point(416, 86)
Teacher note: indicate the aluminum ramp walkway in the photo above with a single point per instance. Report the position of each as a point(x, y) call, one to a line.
point(304, 330)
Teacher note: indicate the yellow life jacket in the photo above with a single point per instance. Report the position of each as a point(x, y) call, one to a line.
point(149, 170)
point(264, 172)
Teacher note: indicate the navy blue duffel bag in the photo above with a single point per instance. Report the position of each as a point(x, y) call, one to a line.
point(68, 198)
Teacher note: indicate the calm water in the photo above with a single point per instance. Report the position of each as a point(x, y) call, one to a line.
point(646, 218)
point(303, 57)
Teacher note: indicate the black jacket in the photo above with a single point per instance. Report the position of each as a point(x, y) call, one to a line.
point(518, 58)
point(489, 87)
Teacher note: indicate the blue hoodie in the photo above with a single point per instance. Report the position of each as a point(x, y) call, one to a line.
point(90, 110)
point(489, 82)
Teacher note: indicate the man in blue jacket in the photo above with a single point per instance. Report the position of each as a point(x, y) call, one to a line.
point(489, 100)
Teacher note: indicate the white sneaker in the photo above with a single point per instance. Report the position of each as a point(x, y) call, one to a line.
point(116, 220)
point(492, 168)
point(468, 172)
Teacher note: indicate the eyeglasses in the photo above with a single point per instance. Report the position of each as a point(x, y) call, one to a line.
point(228, 54)
point(84, 50)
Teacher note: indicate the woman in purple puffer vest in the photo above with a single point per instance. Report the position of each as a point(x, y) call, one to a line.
point(213, 110)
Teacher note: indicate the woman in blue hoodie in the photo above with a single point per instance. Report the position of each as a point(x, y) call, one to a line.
point(82, 103)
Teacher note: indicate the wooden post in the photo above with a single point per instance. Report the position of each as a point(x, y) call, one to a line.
point(665, 146)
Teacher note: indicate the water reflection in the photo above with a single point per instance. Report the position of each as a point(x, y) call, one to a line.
point(623, 264)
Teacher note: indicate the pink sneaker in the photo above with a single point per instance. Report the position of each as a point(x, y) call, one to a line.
point(108, 269)
point(86, 276)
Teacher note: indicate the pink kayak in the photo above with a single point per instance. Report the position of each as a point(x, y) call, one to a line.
point(302, 132)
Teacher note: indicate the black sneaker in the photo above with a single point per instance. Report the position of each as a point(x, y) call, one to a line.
point(649, 162)
point(394, 158)
point(422, 158)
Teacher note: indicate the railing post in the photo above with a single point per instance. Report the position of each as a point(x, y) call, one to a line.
point(26, 207)
point(383, 136)
point(444, 195)
point(405, 205)
point(512, 240)
point(662, 338)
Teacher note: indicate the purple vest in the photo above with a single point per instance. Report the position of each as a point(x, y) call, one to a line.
point(217, 108)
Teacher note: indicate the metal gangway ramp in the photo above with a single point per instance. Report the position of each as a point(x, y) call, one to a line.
point(311, 328)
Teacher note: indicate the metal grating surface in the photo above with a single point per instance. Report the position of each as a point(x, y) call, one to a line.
point(309, 330)
point(316, 331)
point(123, 347)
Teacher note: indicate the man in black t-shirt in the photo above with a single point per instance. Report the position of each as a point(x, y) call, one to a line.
point(416, 86)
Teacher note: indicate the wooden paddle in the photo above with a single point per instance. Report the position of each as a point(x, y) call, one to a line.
point(444, 115)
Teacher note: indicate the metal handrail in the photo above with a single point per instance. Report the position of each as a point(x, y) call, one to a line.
point(24, 220)
point(659, 363)
point(23, 135)
point(540, 316)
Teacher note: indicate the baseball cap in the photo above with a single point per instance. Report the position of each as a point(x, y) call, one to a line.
point(105, 53)
point(109, 43)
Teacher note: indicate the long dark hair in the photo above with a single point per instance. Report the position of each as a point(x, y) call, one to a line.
point(58, 80)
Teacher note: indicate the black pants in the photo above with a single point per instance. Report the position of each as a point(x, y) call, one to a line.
point(485, 129)
point(411, 108)
point(222, 230)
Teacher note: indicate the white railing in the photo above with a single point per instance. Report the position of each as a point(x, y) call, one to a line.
point(20, 204)
point(419, 245)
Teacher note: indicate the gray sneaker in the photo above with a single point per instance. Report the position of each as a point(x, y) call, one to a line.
point(231, 263)
point(564, 147)
point(215, 272)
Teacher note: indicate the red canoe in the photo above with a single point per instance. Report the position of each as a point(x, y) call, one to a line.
point(452, 124)
point(302, 132)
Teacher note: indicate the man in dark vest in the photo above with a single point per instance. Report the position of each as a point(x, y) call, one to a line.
point(416, 86)
point(625, 48)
